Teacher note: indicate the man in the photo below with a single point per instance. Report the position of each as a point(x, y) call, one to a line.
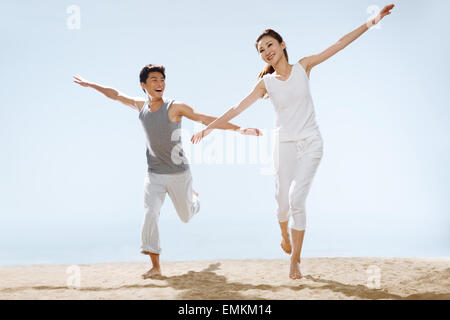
point(168, 170)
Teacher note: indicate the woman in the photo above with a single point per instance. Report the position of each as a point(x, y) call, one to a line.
point(298, 144)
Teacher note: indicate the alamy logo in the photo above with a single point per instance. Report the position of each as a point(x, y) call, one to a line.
point(225, 147)
point(373, 10)
point(374, 277)
point(74, 277)
point(74, 18)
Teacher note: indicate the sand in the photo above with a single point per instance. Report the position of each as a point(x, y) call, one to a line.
point(323, 278)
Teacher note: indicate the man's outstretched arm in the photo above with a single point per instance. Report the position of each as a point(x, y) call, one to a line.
point(192, 114)
point(135, 103)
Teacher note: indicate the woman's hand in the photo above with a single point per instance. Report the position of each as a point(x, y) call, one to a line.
point(384, 12)
point(197, 137)
point(80, 81)
point(250, 131)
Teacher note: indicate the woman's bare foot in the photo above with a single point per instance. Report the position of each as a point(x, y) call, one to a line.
point(152, 273)
point(286, 243)
point(294, 272)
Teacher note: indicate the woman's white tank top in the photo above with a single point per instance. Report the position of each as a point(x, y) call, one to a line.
point(295, 118)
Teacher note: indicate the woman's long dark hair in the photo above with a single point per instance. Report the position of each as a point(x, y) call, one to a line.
point(271, 33)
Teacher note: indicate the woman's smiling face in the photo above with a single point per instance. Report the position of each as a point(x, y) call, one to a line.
point(270, 49)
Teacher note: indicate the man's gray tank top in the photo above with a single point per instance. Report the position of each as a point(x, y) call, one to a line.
point(164, 150)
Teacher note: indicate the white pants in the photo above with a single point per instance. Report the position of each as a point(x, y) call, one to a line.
point(295, 164)
point(179, 188)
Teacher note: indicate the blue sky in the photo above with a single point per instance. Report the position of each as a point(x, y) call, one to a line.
point(73, 162)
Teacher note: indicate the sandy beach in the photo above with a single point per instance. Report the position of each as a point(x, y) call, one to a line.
point(323, 278)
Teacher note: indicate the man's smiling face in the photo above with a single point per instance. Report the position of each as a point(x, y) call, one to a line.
point(155, 84)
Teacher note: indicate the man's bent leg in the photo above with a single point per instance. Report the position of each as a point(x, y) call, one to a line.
point(185, 201)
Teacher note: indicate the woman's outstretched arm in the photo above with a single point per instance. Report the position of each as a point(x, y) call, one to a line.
point(258, 92)
point(313, 60)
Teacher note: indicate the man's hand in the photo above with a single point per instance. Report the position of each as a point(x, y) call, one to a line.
point(80, 81)
point(250, 131)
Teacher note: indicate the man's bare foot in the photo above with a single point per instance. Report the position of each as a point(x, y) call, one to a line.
point(152, 273)
point(294, 272)
point(286, 243)
point(195, 192)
